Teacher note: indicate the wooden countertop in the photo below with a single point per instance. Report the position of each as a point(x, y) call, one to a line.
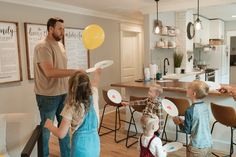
point(175, 86)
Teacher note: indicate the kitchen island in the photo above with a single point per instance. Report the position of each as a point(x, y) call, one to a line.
point(221, 135)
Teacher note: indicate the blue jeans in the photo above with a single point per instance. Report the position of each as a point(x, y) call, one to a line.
point(49, 107)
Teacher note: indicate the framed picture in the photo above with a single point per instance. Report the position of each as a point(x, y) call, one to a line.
point(77, 54)
point(10, 62)
point(33, 34)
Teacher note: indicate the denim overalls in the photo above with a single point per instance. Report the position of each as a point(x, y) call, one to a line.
point(85, 140)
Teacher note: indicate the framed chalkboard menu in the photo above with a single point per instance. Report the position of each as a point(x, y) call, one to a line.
point(10, 63)
point(76, 53)
point(34, 33)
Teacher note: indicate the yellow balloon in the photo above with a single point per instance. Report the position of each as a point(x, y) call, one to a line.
point(93, 36)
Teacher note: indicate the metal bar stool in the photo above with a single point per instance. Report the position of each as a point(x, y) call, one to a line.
point(117, 118)
point(182, 105)
point(134, 109)
point(221, 113)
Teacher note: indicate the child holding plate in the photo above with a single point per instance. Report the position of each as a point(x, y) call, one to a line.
point(81, 113)
point(197, 121)
point(153, 105)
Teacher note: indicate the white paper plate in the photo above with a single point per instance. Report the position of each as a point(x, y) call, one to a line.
point(173, 146)
point(104, 64)
point(91, 70)
point(114, 96)
point(213, 85)
point(170, 107)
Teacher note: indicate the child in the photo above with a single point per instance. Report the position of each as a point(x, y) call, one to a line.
point(149, 144)
point(197, 119)
point(153, 105)
point(81, 114)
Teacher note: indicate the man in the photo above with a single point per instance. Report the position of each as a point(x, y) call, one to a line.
point(51, 74)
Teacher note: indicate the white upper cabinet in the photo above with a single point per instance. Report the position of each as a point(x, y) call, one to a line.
point(202, 35)
point(217, 29)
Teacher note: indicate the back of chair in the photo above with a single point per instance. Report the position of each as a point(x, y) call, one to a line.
point(107, 100)
point(138, 108)
point(181, 104)
point(224, 114)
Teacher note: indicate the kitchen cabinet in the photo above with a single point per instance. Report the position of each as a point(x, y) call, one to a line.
point(202, 35)
point(217, 29)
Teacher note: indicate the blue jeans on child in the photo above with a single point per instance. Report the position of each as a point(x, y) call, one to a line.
point(49, 107)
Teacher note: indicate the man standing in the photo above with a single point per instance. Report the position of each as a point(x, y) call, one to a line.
point(51, 74)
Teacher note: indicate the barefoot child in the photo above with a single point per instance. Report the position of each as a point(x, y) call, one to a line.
point(81, 114)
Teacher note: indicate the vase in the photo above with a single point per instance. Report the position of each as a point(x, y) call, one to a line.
point(178, 70)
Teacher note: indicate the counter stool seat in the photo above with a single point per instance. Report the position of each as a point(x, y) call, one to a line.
point(221, 114)
point(134, 109)
point(182, 105)
point(118, 119)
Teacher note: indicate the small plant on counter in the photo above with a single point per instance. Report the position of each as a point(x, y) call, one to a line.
point(178, 57)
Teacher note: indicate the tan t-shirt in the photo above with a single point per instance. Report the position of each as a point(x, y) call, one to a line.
point(54, 52)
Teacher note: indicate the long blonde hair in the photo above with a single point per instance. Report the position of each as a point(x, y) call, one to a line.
point(79, 92)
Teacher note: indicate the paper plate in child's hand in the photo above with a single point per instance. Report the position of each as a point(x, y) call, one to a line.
point(114, 96)
point(91, 70)
point(104, 64)
point(170, 107)
point(173, 146)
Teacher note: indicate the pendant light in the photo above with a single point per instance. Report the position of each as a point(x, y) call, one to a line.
point(157, 24)
point(198, 24)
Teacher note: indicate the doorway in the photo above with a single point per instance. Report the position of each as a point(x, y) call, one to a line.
point(131, 52)
point(131, 46)
point(231, 48)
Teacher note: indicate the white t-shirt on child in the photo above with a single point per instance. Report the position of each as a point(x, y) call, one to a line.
point(77, 119)
point(155, 147)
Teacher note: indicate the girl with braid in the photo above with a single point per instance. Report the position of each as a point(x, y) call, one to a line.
point(82, 115)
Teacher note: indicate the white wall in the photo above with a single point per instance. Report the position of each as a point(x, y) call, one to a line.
point(230, 25)
point(19, 97)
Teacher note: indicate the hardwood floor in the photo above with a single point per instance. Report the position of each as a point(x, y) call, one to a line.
point(108, 146)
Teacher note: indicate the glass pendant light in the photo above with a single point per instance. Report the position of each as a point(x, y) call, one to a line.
point(198, 24)
point(157, 24)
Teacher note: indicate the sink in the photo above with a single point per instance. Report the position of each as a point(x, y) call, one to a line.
point(164, 80)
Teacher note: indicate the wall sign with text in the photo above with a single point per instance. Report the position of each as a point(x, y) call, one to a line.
point(10, 63)
point(33, 34)
point(76, 53)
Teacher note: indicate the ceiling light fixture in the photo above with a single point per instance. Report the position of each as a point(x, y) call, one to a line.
point(198, 24)
point(158, 23)
point(233, 16)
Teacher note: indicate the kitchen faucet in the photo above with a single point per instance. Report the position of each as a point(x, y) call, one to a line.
point(165, 68)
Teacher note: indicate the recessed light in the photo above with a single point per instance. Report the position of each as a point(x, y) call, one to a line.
point(233, 15)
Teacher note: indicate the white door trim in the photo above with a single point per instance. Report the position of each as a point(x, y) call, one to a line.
point(127, 27)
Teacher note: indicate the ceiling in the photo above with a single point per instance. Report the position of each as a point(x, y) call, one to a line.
point(135, 9)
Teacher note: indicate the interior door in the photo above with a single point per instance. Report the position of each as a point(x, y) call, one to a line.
point(129, 56)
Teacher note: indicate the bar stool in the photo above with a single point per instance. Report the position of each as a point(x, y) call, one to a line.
point(221, 114)
point(117, 118)
point(134, 109)
point(182, 105)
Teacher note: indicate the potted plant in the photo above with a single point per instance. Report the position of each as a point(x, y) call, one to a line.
point(178, 57)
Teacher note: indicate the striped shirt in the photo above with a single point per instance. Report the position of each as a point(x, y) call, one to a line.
point(153, 106)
